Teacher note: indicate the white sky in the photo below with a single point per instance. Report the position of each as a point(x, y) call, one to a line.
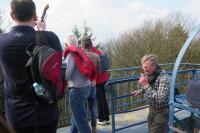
point(107, 18)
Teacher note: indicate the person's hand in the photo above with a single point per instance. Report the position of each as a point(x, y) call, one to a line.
point(135, 93)
point(144, 81)
point(41, 25)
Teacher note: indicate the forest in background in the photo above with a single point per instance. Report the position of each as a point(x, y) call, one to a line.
point(163, 37)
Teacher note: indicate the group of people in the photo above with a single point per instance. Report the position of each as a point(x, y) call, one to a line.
point(85, 83)
point(27, 113)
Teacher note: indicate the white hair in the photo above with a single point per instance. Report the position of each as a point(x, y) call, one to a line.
point(71, 40)
point(150, 57)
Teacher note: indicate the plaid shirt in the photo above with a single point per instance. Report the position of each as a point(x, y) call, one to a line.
point(158, 93)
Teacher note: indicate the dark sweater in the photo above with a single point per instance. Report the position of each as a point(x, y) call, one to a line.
point(23, 109)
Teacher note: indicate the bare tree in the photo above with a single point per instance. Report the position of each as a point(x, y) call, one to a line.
point(163, 37)
point(77, 32)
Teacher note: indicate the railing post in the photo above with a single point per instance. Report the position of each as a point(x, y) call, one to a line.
point(124, 101)
point(193, 74)
point(112, 106)
point(171, 116)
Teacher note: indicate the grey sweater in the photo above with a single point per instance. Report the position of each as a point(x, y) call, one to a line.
point(73, 75)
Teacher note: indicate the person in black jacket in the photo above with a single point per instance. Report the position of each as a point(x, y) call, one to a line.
point(25, 112)
point(2, 107)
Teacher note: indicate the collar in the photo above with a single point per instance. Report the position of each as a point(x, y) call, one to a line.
point(23, 28)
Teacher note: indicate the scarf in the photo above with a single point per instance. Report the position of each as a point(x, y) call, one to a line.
point(152, 78)
point(82, 61)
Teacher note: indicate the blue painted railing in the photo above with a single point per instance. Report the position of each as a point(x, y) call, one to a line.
point(188, 73)
point(123, 82)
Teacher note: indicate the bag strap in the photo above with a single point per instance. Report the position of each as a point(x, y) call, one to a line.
point(41, 38)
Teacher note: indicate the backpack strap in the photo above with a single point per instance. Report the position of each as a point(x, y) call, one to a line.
point(41, 38)
point(32, 49)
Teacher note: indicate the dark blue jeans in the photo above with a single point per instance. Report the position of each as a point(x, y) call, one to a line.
point(78, 98)
point(92, 106)
point(102, 104)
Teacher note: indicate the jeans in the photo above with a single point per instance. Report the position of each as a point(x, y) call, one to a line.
point(102, 104)
point(92, 106)
point(78, 98)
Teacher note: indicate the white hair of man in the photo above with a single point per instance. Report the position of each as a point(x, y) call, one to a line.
point(150, 57)
point(71, 40)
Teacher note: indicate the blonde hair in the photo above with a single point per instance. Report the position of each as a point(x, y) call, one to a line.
point(150, 57)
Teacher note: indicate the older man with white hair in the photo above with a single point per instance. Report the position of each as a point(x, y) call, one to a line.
point(155, 84)
point(78, 76)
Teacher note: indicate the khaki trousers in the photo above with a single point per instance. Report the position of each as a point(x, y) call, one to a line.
point(158, 120)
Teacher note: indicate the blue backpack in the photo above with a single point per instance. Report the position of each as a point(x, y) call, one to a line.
point(105, 63)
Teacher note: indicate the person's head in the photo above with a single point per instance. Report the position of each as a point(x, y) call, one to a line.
point(149, 63)
point(86, 42)
point(23, 10)
point(71, 40)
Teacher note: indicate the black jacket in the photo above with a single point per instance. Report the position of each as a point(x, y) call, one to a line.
point(23, 109)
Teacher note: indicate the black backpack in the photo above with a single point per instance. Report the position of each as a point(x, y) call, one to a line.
point(45, 65)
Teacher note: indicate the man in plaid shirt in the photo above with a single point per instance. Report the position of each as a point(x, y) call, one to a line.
point(155, 83)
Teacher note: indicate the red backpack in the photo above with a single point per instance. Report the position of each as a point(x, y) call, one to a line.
point(45, 67)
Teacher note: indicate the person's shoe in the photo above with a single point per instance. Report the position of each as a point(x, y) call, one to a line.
point(108, 122)
point(94, 130)
point(101, 122)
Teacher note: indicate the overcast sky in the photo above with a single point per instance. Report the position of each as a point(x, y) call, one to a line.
point(107, 18)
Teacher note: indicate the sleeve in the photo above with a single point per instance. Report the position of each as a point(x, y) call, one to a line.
point(162, 92)
point(70, 66)
point(1, 92)
point(54, 41)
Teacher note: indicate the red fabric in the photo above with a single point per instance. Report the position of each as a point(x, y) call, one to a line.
point(103, 76)
point(83, 62)
point(51, 70)
point(95, 50)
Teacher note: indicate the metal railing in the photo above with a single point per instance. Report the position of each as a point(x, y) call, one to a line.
point(128, 103)
point(122, 82)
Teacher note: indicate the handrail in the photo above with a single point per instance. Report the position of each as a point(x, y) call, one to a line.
point(166, 64)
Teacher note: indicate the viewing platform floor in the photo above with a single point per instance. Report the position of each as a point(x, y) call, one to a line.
point(122, 120)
